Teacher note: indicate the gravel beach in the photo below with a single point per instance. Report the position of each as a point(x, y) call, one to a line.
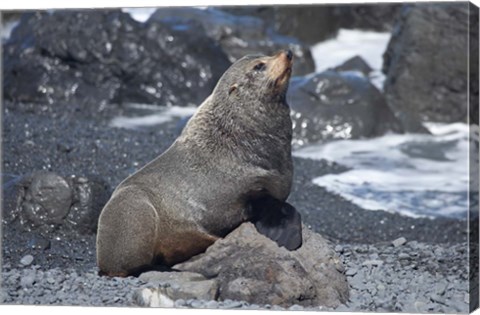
point(74, 80)
point(424, 272)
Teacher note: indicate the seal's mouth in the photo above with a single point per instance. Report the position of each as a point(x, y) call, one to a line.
point(281, 68)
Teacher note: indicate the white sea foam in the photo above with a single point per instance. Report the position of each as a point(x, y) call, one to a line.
point(349, 43)
point(413, 174)
point(159, 115)
point(7, 28)
point(140, 14)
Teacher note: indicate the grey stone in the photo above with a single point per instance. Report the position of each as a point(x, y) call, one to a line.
point(296, 307)
point(399, 241)
point(153, 297)
point(437, 298)
point(351, 272)
point(211, 304)
point(403, 256)
point(372, 263)
point(28, 279)
point(247, 265)
point(180, 303)
point(197, 304)
point(182, 285)
point(440, 288)
point(26, 260)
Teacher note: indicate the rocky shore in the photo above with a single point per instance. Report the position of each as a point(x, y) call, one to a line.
point(63, 156)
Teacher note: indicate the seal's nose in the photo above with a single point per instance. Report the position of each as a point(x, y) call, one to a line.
point(289, 54)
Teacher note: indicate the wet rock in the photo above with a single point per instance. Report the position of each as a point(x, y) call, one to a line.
point(94, 57)
point(89, 197)
point(379, 17)
point(316, 23)
point(46, 200)
point(355, 63)
point(237, 35)
point(426, 63)
point(177, 285)
point(332, 105)
point(38, 242)
point(248, 265)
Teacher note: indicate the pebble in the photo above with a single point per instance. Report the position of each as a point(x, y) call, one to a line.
point(196, 304)
point(26, 260)
point(436, 298)
point(28, 279)
point(351, 272)
point(211, 304)
point(180, 303)
point(296, 307)
point(403, 256)
point(399, 241)
point(372, 263)
point(440, 288)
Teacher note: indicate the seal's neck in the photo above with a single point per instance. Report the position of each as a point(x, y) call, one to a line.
point(251, 128)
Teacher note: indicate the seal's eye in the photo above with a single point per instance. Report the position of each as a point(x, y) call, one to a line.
point(259, 66)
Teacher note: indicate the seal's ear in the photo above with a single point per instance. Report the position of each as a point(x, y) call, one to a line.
point(233, 88)
point(278, 220)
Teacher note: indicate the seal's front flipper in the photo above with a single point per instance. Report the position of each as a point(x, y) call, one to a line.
point(278, 221)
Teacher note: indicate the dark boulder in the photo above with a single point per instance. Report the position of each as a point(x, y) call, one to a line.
point(426, 63)
point(356, 63)
point(379, 17)
point(315, 23)
point(338, 105)
point(45, 201)
point(238, 35)
point(309, 23)
point(93, 57)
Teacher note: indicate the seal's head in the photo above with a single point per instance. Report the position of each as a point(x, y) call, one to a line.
point(259, 76)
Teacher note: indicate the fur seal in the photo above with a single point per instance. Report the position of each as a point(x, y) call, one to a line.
point(231, 163)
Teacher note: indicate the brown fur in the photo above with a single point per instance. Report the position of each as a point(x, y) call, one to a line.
point(235, 148)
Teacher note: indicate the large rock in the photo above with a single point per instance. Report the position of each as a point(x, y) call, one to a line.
point(250, 267)
point(94, 57)
point(379, 17)
point(426, 63)
point(46, 201)
point(238, 35)
point(338, 105)
point(315, 23)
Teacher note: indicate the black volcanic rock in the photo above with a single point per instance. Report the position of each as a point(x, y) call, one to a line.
point(238, 35)
point(315, 23)
point(426, 63)
point(93, 57)
point(338, 105)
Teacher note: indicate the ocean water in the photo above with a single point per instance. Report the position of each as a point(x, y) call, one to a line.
point(158, 115)
point(350, 43)
point(412, 174)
